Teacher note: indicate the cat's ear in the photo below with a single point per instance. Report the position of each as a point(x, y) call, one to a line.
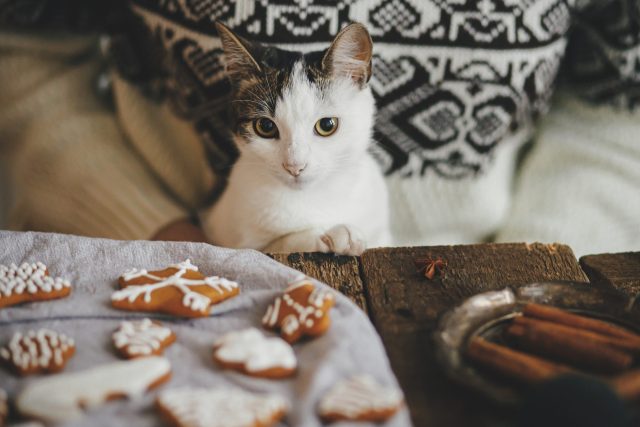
point(350, 54)
point(239, 62)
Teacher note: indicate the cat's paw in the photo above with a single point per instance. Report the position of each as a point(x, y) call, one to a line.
point(342, 240)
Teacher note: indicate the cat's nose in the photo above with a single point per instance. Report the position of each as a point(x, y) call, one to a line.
point(294, 169)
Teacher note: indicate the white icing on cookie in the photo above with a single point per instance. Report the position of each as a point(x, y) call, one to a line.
point(28, 278)
point(43, 348)
point(140, 338)
point(221, 407)
point(4, 406)
point(255, 351)
point(192, 300)
point(59, 398)
point(357, 396)
point(305, 313)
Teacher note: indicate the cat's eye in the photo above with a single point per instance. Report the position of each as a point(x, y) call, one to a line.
point(265, 128)
point(326, 126)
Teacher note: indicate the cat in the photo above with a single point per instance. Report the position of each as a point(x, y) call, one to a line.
point(305, 180)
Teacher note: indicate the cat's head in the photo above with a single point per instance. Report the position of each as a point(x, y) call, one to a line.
point(301, 118)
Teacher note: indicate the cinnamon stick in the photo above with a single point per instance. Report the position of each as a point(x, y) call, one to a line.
point(511, 363)
point(623, 344)
point(579, 348)
point(627, 385)
point(556, 315)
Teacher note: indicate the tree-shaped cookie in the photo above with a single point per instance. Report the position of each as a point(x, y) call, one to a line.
point(302, 310)
point(179, 289)
point(41, 351)
point(29, 282)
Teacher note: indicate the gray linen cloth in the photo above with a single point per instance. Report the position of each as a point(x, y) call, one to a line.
point(351, 345)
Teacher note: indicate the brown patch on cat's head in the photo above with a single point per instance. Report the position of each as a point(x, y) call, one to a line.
point(259, 74)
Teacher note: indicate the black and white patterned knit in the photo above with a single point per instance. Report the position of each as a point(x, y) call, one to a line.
point(603, 60)
point(452, 78)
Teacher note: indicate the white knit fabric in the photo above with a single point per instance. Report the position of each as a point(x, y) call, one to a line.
point(430, 210)
point(581, 183)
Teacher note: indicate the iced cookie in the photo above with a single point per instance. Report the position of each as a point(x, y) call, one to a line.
point(303, 310)
point(360, 398)
point(142, 338)
point(250, 352)
point(29, 282)
point(62, 397)
point(220, 407)
point(41, 351)
point(179, 290)
point(4, 407)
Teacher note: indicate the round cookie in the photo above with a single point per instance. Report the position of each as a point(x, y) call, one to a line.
point(41, 351)
point(250, 352)
point(302, 310)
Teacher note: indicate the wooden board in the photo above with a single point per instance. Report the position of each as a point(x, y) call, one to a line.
point(340, 272)
point(620, 271)
point(405, 306)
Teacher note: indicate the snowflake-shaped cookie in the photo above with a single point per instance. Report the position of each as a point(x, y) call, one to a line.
point(29, 282)
point(303, 310)
point(250, 352)
point(220, 407)
point(179, 289)
point(142, 338)
point(41, 351)
point(360, 398)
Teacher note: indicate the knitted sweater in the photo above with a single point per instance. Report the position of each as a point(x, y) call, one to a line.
point(460, 87)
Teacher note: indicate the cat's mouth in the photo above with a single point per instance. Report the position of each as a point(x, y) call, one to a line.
point(296, 182)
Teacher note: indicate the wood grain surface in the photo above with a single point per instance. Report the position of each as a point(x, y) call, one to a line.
point(620, 271)
point(404, 306)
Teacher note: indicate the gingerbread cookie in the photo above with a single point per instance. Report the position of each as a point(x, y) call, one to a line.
point(220, 407)
point(29, 282)
point(41, 351)
point(142, 338)
point(360, 398)
point(4, 407)
point(303, 310)
point(62, 397)
point(178, 289)
point(250, 352)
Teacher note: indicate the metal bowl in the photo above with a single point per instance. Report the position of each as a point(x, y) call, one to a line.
point(487, 314)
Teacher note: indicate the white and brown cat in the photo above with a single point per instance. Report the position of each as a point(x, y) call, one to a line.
point(305, 180)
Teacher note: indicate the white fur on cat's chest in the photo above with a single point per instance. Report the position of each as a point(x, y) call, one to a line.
point(254, 211)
